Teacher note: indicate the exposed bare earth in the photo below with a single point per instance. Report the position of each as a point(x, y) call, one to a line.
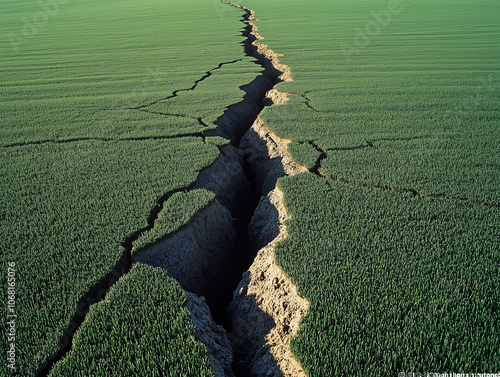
point(266, 308)
point(192, 254)
point(211, 335)
point(277, 97)
point(262, 48)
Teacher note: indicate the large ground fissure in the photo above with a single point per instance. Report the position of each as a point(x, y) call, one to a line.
point(217, 254)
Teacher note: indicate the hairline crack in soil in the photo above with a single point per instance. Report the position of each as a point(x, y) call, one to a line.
point(235, 122)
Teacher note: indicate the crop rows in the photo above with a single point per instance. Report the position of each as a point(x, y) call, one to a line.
point(396, 283)
point(176, 212)
point(70, 206)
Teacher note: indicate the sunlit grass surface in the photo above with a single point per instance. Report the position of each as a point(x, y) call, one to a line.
point(396, 245)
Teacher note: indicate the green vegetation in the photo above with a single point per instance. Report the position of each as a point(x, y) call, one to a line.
point(84, 160)
point(176, 212)
point(424, 89)
point(160, 342)
point(69, 207)
point(222, 87)
point(81, 71)
point(396, 245)
point(396, 283)
point(465, 167)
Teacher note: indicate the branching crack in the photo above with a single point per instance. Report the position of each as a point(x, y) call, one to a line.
point(199, 120)
point(322, 155)
point(415, 193)
point(105, 139)
point(193, 87)
point(370, 144)
point(97, 293)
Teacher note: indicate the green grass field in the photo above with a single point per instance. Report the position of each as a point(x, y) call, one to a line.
point(160, 343)
point(393, 238)
point(84, 158)
point(70, 206)
point(396, 246)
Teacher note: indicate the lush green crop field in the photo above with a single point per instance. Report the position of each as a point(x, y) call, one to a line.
point(94, 60)
point(396, 283)
point(176, 212)
point(69, 207)
point(86, 147)
point(160, 343)
point(395, 106)
point(417, 101)
point(396, 245)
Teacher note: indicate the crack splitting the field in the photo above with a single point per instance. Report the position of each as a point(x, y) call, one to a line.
point(104, 139)
point(193, 87)
point(260, 291)
point(414, 192)
point(324, 155)
point(97, 292)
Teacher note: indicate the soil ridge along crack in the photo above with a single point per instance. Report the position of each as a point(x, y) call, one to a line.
point(266, 308)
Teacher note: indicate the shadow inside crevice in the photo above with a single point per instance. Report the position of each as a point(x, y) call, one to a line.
point(249, 326)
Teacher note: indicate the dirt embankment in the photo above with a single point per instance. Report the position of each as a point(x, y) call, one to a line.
point(266, 308)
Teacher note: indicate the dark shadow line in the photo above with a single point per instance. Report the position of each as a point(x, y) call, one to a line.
point(103, 139)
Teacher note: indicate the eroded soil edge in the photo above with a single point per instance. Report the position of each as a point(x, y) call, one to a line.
point(266, 309)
